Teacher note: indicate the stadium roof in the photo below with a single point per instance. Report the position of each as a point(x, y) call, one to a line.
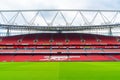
point(58, 20)
point(58, 28)
point(73, 19)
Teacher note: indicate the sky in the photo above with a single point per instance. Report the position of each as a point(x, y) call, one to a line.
point(59, 4)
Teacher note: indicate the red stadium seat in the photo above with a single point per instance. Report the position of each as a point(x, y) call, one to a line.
point(6, 58)
point(59, 47)
point(99, 58)
point(21, 58)
point(117, 56)
point(58, 39)
point(78, 58)
point(39, 58)
point(29, 40)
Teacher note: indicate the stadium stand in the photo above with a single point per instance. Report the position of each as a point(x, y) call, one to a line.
point(66, 37)
point(59, 47)
point(58, 39)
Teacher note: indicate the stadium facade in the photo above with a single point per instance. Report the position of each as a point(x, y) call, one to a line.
point(59, 35)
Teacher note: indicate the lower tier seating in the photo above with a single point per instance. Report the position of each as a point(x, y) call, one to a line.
point(34, 58)
point(21, 58)
point(6, 58)
point(100, 58)
point(117, 57)
point(78, 58)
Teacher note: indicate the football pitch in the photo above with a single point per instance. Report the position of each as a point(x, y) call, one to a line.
point(60, 71)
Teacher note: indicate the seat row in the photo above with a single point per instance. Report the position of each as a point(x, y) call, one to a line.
point(59, 50)
point(59, 39)
point(33, 58)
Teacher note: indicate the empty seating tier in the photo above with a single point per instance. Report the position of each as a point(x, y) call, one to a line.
point(59, 39)
point(59, 47)
point(37, 58)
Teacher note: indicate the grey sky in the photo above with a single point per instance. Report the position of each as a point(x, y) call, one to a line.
point(59, 4)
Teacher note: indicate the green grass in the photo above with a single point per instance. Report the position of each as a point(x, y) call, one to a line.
point(60, 71)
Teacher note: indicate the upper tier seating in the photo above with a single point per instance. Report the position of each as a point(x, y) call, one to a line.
point(59, 39)
point(74, 39)
point(12, 40)
point(44, 39)
point(107, 40)
point(29, 39)
point(90, 39)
